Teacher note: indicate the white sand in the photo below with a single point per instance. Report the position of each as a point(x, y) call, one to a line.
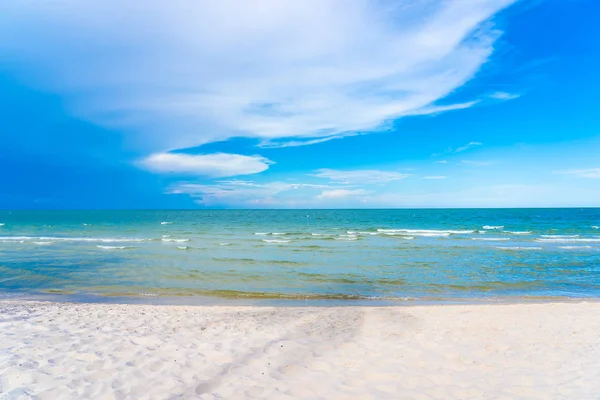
point(105, 351)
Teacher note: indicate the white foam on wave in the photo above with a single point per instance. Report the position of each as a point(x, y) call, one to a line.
point(595, 227)
point(426, 232)
point(489, 239)
point(261, 233)
point(560, 236)
point(275, 241)
point(493, 227)
point(423, 234)
point(566, 240)
point(69, 239)
point(16, 238)
point(346, 238)
point(368, 233)
point(42, 243)
point(224, 244)
point(175, 240)
point(519, 232)
point(112, 247)
point(166, 223)
point(183, 247)
point(518, 248)
point(2, 224)
point(575, 247)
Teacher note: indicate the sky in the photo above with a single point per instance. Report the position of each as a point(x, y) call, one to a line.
point(110, 104)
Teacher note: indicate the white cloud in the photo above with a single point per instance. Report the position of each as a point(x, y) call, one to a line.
point(181, 74)
point(442, 162)
point(363, 177)
point(467, 146)
point(216, 165)
point(340, 194)
point(504, 96)
point(434, 177)
point(590, 173)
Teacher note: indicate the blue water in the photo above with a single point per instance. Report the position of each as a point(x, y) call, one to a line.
point(303, 254)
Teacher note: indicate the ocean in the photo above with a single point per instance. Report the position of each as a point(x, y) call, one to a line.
point(282, 255)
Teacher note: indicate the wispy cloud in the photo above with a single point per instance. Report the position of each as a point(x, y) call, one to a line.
point(216, 165)
point(181, 74)
point(365, 176)
point(504, 96)
point(441, 162)
point(435, 177)
point(590, 173)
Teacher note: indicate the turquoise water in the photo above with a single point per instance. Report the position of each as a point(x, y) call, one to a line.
point(303, 254)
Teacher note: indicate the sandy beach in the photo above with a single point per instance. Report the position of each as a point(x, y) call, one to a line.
point(115, 351)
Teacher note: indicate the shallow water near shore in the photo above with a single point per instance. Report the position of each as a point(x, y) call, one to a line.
point(327, 256)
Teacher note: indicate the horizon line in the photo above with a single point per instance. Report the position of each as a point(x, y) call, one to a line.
point(299, 209)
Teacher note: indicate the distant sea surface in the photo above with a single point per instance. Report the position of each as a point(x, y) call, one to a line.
point(391, 255)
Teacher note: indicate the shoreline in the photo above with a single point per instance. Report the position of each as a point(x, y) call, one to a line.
point(118, 351)
point(216, 301)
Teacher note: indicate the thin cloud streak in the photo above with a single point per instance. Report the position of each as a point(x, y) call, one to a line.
point(460, 149)
point(468, 146)
point(475, 163)
point(336, 194)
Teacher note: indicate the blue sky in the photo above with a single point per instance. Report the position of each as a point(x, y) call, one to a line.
point(312, 103)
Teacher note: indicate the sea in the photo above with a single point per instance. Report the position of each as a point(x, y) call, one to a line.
point(301, 256)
